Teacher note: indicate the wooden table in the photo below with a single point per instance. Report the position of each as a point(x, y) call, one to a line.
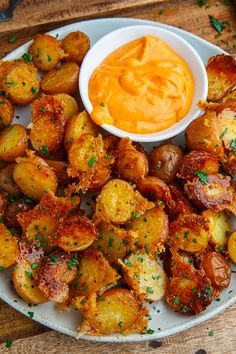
point(33, 16)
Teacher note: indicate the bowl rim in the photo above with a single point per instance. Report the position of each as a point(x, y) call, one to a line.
point(176, 128)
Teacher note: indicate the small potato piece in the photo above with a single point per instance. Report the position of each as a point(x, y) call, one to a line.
point(131, 161)
point(23, 278)
point(70, 105)
point(178, 204)
point(221, 71)
point(232, 247)
point(195, 161)
point(231, 97)
point(118, 312)
point(63, 79)
point(219, 227)
point(164, 162)
point(189, 295)
point(78, 125)
point(189, 233)
point(60, 169)
point(7, 182)
point(154, 189)
point(75, 233)
point(216, 269)
point(34, 177)
point(21, 83)
point(13, 209)
point(145, 276)
point(6, 112)
point(76, 45)
point(13, 142)
point(9, 250)
point(46, 52)
point(152, 228)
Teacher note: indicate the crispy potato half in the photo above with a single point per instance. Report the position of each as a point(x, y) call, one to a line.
point(179, 204)
point(9, 250)
point(116, 311)
point(13, 209)
point(62, 79)
point(144, 275)
point(70, 105)
point(189, 233)
point(154, 189)
point(23, 278)
point(232, 247)
point(6, 112)
point(217, 269)
point(7, 182)
point(221, 72)
point(219, 227)
point(60, 169)
point(76, 45)
point(13, 142)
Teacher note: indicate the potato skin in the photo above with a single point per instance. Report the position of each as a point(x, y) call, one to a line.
point(46, 52)
point(153, 188)
point(232, 247)
point(179, 204)
point(60, 169)
point(76, 45)
point(9, 250)
point(63, 79)
point(6, 112)
point(164, 162)
point(7, 182)
point(13, 142)
point(216, 269)
point(69, 104)
point(19, 206)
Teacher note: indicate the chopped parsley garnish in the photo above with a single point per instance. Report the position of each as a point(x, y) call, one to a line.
point(140, 259)
point(34, 266)
point(42, 110)
point(223, 133)
point(29, 274)
point(203, 177)
point(158, 165)
point(53, 257)
point(3, 102)
point(184, 276)
point(233, 144)
point(176, 300)
point(49, 58)
point(9, 343)
point(156, 277)
point(150, 331)
point(31, 314)
point(135, 276)
point(11, 83)
point(44, 149)
point(211, 334)
point(100, 298)
point(102, 104)
point(27, 57)
point(120, 324)
point(219, 26)
point(135, 215)
point(12, 40)
point(1, 268)
point(221, 248)
point(34, 89)
point(160, 202)
point(110, 242)
point(92, 161)
point(185, 309)
point(72, 262)
point(201, 3)
point(85, 288)
point(127, 262)
point(208, 290)
point(149, 290)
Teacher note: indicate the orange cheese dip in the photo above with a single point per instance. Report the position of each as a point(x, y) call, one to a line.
point(142, 87)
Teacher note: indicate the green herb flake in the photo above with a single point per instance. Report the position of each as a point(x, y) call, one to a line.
point(85, 288)
point(226, 2)
point(110, 242)
point(44, 149)
point(184, 276)
point(218, 299)
point(223, 134)
point(11, 83)
point(135, 276)
point(127, 262)
point(150, 331)
point(42, 110)
point(203, 177)
point(1, 268)
point(100, 298)
point(219, 26)
point(72, 263)
point(34, 266)
point(210, 333)
point(108, 156)
point(149, 290)
point(208, 290)
point(29, 275)
point(145, 219)
point(233, 144)
point(185, 309)
point(12, 40)
point(34, 89)
point(9, 343)
point(140, 259)
point(53, 257)
point(49, 58)
point(102, 104)
point(194, 240)
point(3, 102)
point(201, 3)
point(27, 57)
point(158, 165)
point(135, 215)
point(160, 202)
point(176, 300)
point(156, 277)
point(221, 248)
point(30, 314)
point(92, 161)
point(120, 324)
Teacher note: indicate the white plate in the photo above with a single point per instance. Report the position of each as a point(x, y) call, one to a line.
point(164, 321)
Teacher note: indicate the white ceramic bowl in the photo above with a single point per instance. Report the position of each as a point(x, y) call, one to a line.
point(118, 38)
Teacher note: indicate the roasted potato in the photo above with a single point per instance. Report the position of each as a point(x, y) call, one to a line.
point(189, 295)
point(34, 176)
point(13, 142)
point(46, 112)
point(76, 126)
point(21, 83)
point(62, 79)
point(195, 161)
point(60, 169)
point(232, 247)
point(19, 206)
point(219, 227)
point(23, 278)
point(54, 275)
point(216, 269)
point(189, 233)
point(179, 204)
point(152, 228)
point(9, 250)
point(116, 310)
point(7, 182)
point(154, 189)
point(164, 162)
point(231, 97)
point(69, 104)
point(131, 161)
point(46, 52)
point(76, 45)
point(144, 275)
point(6, 112)
point(221, 72)
point(3, 203)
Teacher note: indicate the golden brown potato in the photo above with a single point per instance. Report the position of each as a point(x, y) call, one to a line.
point(232, 247)
point(69, 104)
point(231, 97)
point(195, 161)
point(6, 112)
point(3, 203)
point(116, 310)
point(77, 126)
point(13, 142)
point(189, 233)
point(216, 269)
point(46, 112)
point(154, 189)
point(144, 275)
point(60, 169)
point(164, 162)
point(9, 250)
point(46, 52)
point(75, 233)
point(114, 242)
point(76, 45)
point(221, 72)
point(34, 177)
point(212, 192)
point(219, 227)
point(152, 228)
point(19, 206)
point(178, 204)
point(189, 295)
point(7, 182)
point(54, 275)
point(63, 79)
point(23, 278)
point(21, 82)
point(131, 161)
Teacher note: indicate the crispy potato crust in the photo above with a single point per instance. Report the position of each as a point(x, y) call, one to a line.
point(6, 112)
point(70, 105)
point(178, 204)
point(232, 247)
point(219, 227)
point(76, 45)
point(7, 182)
point(216, 269)
point(13, 142)
point(13, 209)
point(9, 250)
point(154, 189)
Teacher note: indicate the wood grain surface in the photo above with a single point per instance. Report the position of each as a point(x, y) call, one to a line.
point(33, 16)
